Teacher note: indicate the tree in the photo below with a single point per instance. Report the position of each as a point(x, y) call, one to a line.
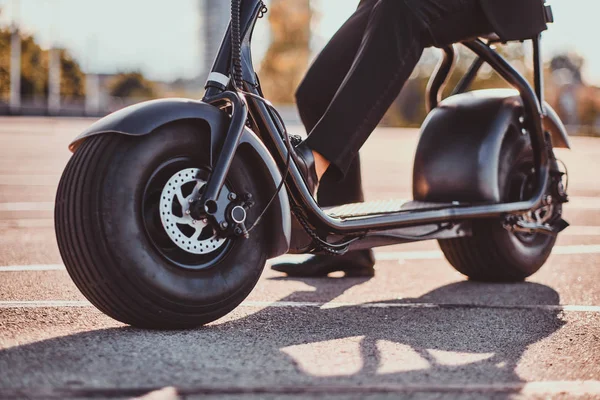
point(409, 109)
point(132, 85)
point(4, 63)
point(287, 58)
point(34, 69)
point(72, 83)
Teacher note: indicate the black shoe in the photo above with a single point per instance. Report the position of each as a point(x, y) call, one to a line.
point(306, 163)
point(354, 264)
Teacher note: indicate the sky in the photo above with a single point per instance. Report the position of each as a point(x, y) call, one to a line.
point(161, 37)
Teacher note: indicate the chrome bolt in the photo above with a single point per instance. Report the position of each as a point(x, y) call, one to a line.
point(204, 220)
point(524, 131)
point(191, 200)
point(232, 196)
point(224, 225)
point(522, 119)
point(188, 212)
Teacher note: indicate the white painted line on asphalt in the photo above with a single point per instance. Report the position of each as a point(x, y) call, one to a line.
point(294, 304)
point(49, 223)
point(573, 388)
point(23, 268)
point(514, 389)
point(399, 256)
point(45, 304)
point(578, 203)
point(577, 249)
point(30, 206)
point(583, 203)
point(581, 231)
point(29, 180)
point(436, 254)
point(27, 223)
point(330, 305)
point(570, 389)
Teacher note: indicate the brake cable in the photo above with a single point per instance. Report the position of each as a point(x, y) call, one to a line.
point(332, 248)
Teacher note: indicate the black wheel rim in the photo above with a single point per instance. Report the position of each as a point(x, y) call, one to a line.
point(155, 230)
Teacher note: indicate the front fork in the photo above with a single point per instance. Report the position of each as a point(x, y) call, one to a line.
point(226, 213)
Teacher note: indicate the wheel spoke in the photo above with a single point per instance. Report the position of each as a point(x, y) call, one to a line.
point(181, 198)
point(197, 234)
point(180, 220)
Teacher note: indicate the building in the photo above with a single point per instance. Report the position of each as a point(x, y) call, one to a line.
point(214, 19)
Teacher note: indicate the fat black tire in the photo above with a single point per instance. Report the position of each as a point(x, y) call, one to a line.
point(104, 244)
point(492, 253)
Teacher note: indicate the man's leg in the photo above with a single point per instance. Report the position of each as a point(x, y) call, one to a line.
point(395, 36)
point(313, 97)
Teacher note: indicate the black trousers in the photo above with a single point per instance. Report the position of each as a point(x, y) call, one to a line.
point(360, 72)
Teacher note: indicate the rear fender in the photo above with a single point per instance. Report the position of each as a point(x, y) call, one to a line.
point(461, 142)
point(144, 118)
point(553, 124)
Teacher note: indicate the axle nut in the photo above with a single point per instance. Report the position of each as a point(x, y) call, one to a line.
point(238, 214)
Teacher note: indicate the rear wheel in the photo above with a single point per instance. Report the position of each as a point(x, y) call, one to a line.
point(128, 242)
point(492, 253)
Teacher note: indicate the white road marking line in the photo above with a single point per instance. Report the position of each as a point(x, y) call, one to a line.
point(49, 223)
point(538, 388)
point(30, 206)
point(436, 254)
point(27, 223)
point(379, 256)
point(29, 180)
point(581, 231)
point(575, 203)
point(45, 304)
point(576, 249)
point(519, 389)
point(298, 304)
point(23, 268)
point(583, 203)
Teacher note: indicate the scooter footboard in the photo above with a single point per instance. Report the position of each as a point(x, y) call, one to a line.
point(459, 156)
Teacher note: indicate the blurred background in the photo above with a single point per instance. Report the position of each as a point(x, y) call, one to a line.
point(89, 58)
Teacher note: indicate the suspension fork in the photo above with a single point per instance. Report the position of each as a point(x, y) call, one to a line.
point(208, 202)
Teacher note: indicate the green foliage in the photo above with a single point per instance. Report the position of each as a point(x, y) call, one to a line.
point(4, 63)
point(287, 58)
point(34, 69)
point(132, 85)
point(72, 83)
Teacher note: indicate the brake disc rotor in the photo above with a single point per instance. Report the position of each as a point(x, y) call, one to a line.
point(195, 237)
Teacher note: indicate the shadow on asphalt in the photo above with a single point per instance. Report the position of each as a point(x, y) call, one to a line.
point(255, 349)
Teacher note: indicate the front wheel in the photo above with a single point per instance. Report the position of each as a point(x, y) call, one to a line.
point(492, 253)
point(128, 242)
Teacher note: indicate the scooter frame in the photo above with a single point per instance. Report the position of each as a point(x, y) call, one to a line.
point(543, 129)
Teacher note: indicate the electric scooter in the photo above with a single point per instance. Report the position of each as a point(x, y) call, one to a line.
point(168, 210)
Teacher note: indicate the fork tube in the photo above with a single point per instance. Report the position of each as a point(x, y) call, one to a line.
point(221, 169)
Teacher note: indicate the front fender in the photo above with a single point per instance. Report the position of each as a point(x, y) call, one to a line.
point(142, 119)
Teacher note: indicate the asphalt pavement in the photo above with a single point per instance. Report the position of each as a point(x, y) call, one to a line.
point(418, 329)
